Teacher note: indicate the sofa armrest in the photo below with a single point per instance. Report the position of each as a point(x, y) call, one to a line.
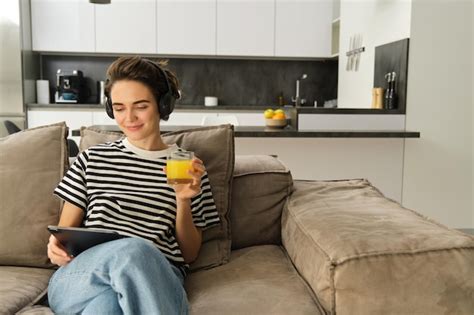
point(362, 253)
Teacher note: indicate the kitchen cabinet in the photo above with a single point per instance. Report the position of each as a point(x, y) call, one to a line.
point(62, 25)
point(246, 119)
point(74, 119)
point(245, 28)
point(185, 119)
point(282, 28)
point(354, 122)
point(126, 26)
point(100, 117)
point(303, 28)
point(193, 118)
point(186, 27)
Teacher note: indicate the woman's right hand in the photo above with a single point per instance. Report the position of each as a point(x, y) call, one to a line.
point(57, 253)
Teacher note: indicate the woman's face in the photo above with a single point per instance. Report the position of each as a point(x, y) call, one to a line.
point(136, 112)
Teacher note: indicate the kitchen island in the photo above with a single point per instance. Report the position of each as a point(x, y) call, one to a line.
point(327, 155)
point(304, 122)
point(287, 132)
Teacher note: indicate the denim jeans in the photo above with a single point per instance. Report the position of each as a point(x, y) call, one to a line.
point(126, 276)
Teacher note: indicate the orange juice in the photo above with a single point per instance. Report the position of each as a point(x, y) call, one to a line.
point(177, 171)
point(177, 166)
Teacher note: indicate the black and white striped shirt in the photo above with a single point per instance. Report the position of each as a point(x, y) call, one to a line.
point(123, 188)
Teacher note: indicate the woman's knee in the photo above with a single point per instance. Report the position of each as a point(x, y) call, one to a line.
point(134, 247)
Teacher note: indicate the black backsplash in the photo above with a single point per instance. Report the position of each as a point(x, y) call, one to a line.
point(234, 82)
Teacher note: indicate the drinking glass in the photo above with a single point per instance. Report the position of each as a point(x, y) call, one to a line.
point(178, 164)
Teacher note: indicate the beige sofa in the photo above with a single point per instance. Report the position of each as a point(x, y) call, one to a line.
point(284, 246)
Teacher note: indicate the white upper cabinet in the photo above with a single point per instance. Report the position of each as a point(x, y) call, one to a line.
point(62, 25)
point(245, 27)
point(282, 28)
point(126, 26)
point(186, 27)
point(303, 28)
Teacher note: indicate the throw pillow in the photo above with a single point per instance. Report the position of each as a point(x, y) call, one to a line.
point(32, 163)
point(92, 136)
point(215, 146)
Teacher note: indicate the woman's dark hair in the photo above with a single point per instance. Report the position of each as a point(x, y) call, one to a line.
point(136, 68)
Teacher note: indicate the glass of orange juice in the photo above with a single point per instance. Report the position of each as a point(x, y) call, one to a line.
point(178, 164)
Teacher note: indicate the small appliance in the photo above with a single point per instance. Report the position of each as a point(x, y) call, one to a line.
point(70, 87)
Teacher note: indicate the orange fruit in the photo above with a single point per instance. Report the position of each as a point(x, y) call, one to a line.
point(279, 116)
point(279, 111)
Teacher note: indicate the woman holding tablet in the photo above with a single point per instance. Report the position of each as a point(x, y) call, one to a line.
point(121, 186)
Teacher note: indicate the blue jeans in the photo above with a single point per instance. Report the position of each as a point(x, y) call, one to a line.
point(126, 276)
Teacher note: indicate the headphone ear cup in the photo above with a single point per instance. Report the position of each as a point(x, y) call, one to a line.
point(166, 105)
point(108, 108)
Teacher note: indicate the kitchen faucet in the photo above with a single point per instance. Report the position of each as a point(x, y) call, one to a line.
point(297, 99)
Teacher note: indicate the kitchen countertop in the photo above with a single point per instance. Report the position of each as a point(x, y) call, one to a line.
point(248, 108)
point(287, 132)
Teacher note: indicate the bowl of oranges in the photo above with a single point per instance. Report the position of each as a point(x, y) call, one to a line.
point(275, 118)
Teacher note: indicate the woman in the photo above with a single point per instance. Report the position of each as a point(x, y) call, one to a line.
point(121, 186)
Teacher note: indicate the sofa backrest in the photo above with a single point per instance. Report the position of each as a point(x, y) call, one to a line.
point(215, 146)
point(260, 188)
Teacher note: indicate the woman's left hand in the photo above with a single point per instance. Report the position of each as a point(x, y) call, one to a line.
point(187, 191)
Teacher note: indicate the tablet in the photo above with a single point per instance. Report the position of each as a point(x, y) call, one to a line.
point(76, 240)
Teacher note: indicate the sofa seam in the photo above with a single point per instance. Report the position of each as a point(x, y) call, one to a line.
point(332, 271)
point(328, 258)
point(306, 284)
point(229, 175)
point(330, 180)
point(261, 172)
point(399, 253)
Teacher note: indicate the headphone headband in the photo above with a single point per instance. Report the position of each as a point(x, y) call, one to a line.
point(165, 102)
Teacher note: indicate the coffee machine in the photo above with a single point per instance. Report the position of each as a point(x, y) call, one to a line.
point(70, 87)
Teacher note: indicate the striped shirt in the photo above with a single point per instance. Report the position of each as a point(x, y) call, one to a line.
point(123, 188)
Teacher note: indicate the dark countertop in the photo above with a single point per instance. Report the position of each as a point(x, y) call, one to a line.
point(350, 111)
point(248, 108)
point(288, 132)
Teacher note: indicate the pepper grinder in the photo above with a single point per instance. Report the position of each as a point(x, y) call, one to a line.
point(393, 95)
point(390, 95)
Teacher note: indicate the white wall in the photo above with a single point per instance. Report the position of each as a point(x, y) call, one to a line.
point(438, 168)
point(380, 22)
point(10, 59)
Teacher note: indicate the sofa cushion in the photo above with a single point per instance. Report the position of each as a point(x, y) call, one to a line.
point(365, 254)
point(215, 146)
point(32, 162)
point(20, 286)
point(257, 280)
point(260, 189)
point(36, 310)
